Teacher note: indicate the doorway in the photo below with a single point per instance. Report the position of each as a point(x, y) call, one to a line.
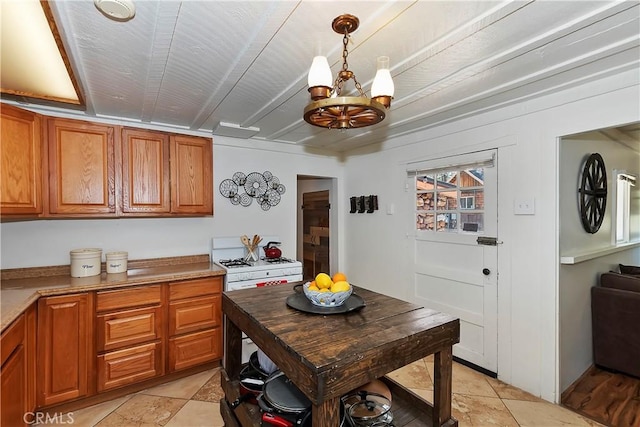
point(315, 233)
point(455, 250)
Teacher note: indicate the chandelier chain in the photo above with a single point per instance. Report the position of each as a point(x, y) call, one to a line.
point(339, 83)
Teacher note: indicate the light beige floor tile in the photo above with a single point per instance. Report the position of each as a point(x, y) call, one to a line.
point(183, 388)
point(426, 394)
point(414, 375)
point(197, 414)
point(543, 414)
point(506, 391)
point(143, 411)
point(470, 382)
point(92, 415)
point(211, 391)
point(481, 411)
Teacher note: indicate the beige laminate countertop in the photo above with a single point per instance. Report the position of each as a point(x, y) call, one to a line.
point(18, 292)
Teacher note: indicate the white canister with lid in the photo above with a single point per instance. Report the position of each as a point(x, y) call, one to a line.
point(117, 262)
point(85, 262)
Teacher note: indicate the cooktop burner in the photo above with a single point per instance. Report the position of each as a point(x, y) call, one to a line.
point(280, 260)
point(238, 262)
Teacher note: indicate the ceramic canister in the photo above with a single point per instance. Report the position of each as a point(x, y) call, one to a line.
point(85, 262)
point(116, 262)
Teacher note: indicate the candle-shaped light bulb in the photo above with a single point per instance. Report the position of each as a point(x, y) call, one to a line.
point(382, 88)
point(319, 79)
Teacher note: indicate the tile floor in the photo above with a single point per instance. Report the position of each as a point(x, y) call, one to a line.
point(478, 400)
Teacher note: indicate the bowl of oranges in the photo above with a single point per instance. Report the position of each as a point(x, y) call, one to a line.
point(328, 291)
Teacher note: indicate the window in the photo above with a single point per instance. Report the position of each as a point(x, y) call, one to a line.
point(624, 183)
point(466, 202)
point(450, 200)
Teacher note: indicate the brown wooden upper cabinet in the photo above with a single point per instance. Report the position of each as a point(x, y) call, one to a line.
point(191, 175)
point(56, 167)
point(21, 168)
point(145, 172)
point(81, 168)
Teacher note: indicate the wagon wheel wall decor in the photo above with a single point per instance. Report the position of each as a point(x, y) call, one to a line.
point(592, 193)
point(264, 187)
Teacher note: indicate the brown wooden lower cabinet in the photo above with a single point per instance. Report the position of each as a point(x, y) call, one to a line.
point(193, 349)
point(96, 342)
point(194, 314)
point(128, 366)
point(13, 375)
point(125, 328)
point(65, 348)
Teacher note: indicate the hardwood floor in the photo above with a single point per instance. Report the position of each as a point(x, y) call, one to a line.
point(612, 399)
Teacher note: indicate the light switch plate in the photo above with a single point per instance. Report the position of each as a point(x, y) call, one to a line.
point(524, 206)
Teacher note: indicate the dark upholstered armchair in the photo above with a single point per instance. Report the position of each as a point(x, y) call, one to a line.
point(615, 314)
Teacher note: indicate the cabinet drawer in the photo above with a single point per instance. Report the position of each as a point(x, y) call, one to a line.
point(125, 328)
point(11, 338)
point(195, 288)
point(194, 349)
point(194, 314)
point(131, 365)
point(125, 298)
point(13, 394)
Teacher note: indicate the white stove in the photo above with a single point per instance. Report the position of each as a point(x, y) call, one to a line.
point(230, 254)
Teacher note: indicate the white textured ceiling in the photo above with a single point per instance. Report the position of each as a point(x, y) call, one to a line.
point(233, 67)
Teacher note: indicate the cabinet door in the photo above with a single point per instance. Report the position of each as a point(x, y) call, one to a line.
point(125, 328)
point(194, 314)
point(21, 153)
point(65, 338)
point(145, 172)
point(81, 168)
point(194, 349)
point(128, 366)
point(191, 175)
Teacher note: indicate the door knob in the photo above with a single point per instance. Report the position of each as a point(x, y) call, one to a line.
point(486, 271)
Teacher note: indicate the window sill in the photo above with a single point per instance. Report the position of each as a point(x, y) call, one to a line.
point(586, 256)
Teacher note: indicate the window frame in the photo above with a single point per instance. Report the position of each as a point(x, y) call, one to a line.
point(621, 234)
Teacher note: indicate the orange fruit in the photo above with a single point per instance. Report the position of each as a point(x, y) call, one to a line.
point(339, 277)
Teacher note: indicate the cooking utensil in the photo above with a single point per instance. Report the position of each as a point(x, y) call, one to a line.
point(276, 420)
point(367, 409)
point(271, 251)
point(251, 246)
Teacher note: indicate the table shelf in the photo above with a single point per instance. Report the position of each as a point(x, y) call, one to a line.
point(408, 408)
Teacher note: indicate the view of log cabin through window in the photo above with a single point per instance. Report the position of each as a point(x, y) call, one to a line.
point(450, 200)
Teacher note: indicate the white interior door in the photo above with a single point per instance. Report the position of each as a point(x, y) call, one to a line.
point(455, 203)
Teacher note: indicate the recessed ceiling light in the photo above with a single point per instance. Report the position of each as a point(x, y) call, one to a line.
point(119, 10)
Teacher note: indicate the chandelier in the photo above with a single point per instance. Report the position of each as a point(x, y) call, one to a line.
point(328, 108)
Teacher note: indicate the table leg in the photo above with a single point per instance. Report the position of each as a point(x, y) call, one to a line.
point(232, 349)
point(326, 414)
point(442, 388)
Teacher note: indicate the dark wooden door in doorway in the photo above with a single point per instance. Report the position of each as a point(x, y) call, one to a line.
point(315, 226)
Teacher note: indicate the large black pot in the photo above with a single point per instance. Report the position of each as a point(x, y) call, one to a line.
point(284, 405)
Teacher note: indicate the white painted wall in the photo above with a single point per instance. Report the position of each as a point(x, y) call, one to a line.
point(48, 242)
point(576, 350)
point(526, 136)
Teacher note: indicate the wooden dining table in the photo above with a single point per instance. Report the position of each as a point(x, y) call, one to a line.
point(329, 353)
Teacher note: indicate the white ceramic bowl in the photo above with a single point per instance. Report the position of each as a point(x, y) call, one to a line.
point(326, 299)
